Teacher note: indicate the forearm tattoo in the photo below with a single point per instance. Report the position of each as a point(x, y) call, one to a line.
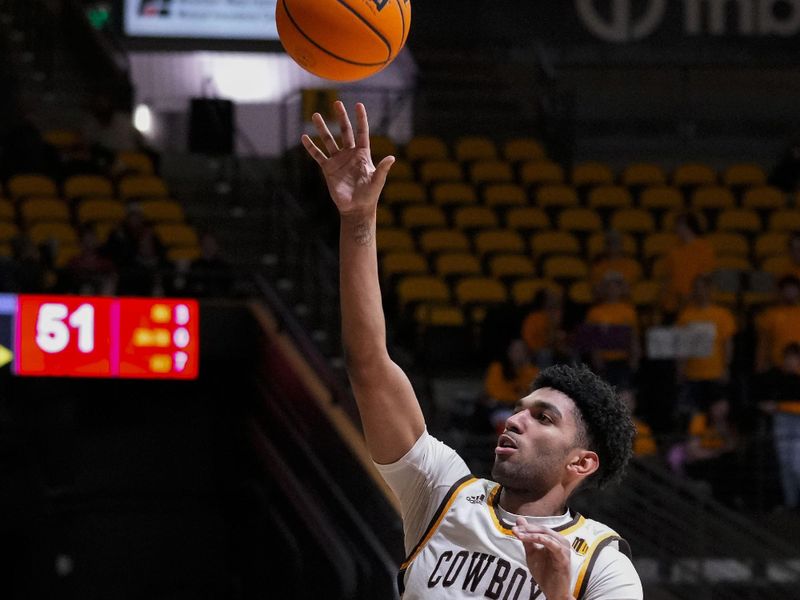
point(364, 233)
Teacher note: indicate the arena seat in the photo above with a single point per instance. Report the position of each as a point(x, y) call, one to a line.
point(579, 220)
point(643, 174)
point(541, 172)
point(482, 291)
point(139, 163)
point(139, 187)
point(63, 140)
point(79, 187)
point(62, 233)
point(414, 289)
point(474, 148)
point(590, 174)
point(726, 243)
point(426, 148)
point(511, 266)
point(100, 209)
point(580, 292)
point(556, 196)
point(527, 218)
point(184, 254)
point(633, 220)
point(475, 217)
point(693, 175)
point(161, 211)
point(382, 146)
point(521, 150)
point(24, 185)
point(7, 210)
point(498, 241)
point(776, 265)
point(787, 219)
point(450, 265)
point(764, 198)
point(744, 174)
point(450, 195)
point(554, 242)
point(646, 293)
point(422, 217)
point(394, 240)
point(658, 244)
point(504, 195)
point(36, 209)
point(395, 264)
point(437, 171)
point(661, 197)
point(397, 193)
point(596, 244)
point(435, 241)
point(525, 290)
point(770, 243)
point(609, 197)
point(668, 219)
point(439, 315)
point(565, 267)
point(712, 197)
point(401, 170)
point(8, 232)
point(732, 262)
point(384, 217)
point(743, 220)
point(176, 234)
point(484, 172)
point(65, 253)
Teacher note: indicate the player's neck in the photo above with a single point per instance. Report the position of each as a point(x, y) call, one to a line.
point(553, 503)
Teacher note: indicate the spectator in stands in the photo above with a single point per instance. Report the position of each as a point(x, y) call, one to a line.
point(149, 272)
point(123, 241)
point(710, 454)
point(703, 379)
point(614, 259)
point(779, 392)
point(210, 275)
point(644, 443)
point(617, 366)
point(109, 130)
point(779, 325)
point(90, 272)
point(506, 381)
point(693, 256)
point(786, 174)
point(543, 328)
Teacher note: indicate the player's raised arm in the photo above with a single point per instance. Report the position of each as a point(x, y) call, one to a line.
point(389, 409)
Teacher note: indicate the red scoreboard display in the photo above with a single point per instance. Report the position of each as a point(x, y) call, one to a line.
point(134, 338)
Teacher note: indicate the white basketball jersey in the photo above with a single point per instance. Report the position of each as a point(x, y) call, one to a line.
point(468, 551)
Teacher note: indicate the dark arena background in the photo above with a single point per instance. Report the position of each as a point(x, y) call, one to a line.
point(608, 182)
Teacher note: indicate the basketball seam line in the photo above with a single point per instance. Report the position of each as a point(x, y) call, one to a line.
point(371, 27)
point(325, 50)
point(403, 20)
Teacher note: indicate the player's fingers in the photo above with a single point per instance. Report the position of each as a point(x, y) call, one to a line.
point(325, 134)
point(348, 141)
point(382, 171)
point(314, 152)
point(362, 126)
point(547, 543)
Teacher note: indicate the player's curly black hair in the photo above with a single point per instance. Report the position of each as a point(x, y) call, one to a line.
point(605, 419)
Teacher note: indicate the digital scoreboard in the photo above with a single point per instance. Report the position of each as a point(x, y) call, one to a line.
point(76, 336)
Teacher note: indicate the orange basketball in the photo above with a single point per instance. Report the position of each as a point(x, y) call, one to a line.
point(343, 40)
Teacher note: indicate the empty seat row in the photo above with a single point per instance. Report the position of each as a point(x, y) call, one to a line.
point(130, 187)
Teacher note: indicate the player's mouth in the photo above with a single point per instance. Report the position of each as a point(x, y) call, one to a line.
point(505, 445)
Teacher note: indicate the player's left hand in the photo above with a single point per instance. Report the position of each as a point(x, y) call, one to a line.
point(548, 557)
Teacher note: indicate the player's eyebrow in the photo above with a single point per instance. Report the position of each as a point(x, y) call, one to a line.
point(543, 405)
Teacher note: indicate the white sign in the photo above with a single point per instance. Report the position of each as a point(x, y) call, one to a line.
point(694, 340)
point(210, 19)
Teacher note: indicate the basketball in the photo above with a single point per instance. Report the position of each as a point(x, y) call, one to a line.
point(343, 40)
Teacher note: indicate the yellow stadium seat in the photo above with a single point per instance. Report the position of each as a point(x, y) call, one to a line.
point(65, 253)
point(6, 250)
point(731, 262)
point(525, 290)
point(382, 146)
point(523, 150)
point(401, 171)
point(436, 171)
point(658, 244)
point(541, 172)
point(646, 293)
point(668, 220)
point(565, 267)
point(23, 186)
point(527, 218)
point(596, 244)
point(582, 220)
point(661, 197)
point(516, 266)
point(419, 288)
point(764, 198)
point(785, 220)
point(591, 174)
point(423, 217)
point(384, 217)
point(443, 240)
point(498, 241)
point(771, 243)
point(84, 186)
point(728, 243)
point(394, 264)
point(397, 193)
point(8, 231)
point(744, 174)
point(471, 148)
point(454, 194)
point(426, 148)
point(503, 195)
point(475, 217)
point(457, 264)
point(62, 233)
point(777, 265)
point(580, 292)
point(186, 254)
point(439, 315)
point(490, 171)
point(739, 219)
point(712, 197)
point(7, 210)
point(394, 240)
point(610, 196)
point(63, 139)
point(693, 174)
point(138, 187)
point(138, 163)
point(633, 220)
point(643, 174)
point(162, 211)
point(554, 242)
point(100, 209)
point(102, 229)
point(176, 234)
point(480, 290)
point(556, 196)
point(35, 209)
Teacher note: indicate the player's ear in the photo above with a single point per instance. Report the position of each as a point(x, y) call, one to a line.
point(584, 463)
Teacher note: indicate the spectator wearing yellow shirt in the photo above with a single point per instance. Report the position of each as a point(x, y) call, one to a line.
point(693, 256)
point(779, 325)
point(507, 381)
point(616, 366)
point(615, 260)
point(704, 378)
point(543, 328)
point(644, 443)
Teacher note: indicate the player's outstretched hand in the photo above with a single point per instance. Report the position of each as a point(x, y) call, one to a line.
point(353, 180)
point(548, 557)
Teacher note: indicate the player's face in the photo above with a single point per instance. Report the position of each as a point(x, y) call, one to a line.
point(538, 443)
